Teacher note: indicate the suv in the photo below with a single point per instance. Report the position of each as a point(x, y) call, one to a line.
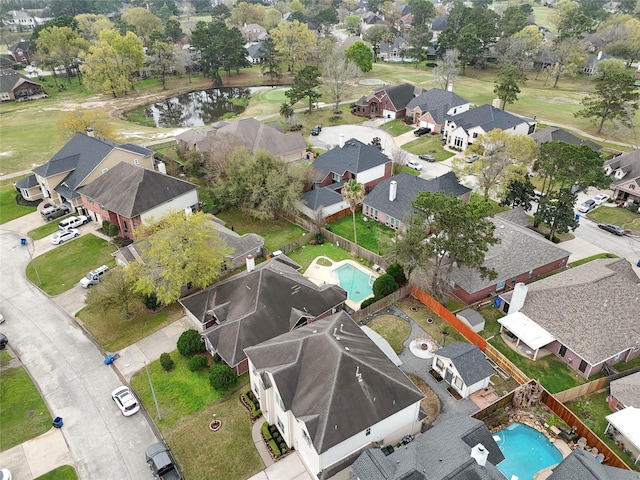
point(161, 462)
point(54, 211)
point(72, 222)
point(315, 131)
point(93, 277)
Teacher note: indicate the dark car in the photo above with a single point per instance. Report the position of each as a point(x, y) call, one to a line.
point(609, 227)
point(3, 341)
point(421, 131)
point(427, 158)
point(315, 131)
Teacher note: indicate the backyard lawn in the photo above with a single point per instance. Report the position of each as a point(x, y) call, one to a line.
point(305, 254)
point(61, 268)
point(393, 329)
point(9, 209)
point(373, 236)
point(618, 216)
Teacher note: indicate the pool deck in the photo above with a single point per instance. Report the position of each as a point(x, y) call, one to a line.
point(321, 275)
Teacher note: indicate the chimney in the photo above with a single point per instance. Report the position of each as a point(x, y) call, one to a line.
point(450, 87)
point(341, 140)
point(518, 297)
point(480, 454)
point(162, 168)
point(393, 190)
point(251, 263)
point(90, 132)
point(495, 103)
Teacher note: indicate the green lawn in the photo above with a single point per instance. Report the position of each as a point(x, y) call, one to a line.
point(305, 254)
point(49, 228)
point(187, 403)
point(373, 236)
point(9, 209)
point(577, 263)
point(618, 216)
point(5, 358)
point(61, 268)
point(397, 127)
point(23, 415)
point(428, 144)
point(276, 233)
point(393, 329)
point(491, 326)
point(65, 472)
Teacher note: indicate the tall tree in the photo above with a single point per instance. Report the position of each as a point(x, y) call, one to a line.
point(556, 211)
point(162, 57)
point(143, 20)
point(507, 86)
point(419, 40)
point(339, 75)
point(621, 34)
point(469, 46)
point(422, 11)
point(182, 249)
point(304, 85)
point(114, 292)
point(90, 25)
point(353, 193)
point(245, 13)
point(325, 18)
point(220, 11)
point(293, 40)
point(361, 55)
point(270, 61)
point(79, 120)
point(569, 19)
point(61, 46)
point(569, 55)
point(447, 70)
point(62, 21)
point(173, 31)
point(513, 20)
point(614, 97)
point(519, 193)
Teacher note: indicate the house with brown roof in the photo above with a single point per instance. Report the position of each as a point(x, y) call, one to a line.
point(430, 108)
point(586, 315)
point(624, 171)
point(332, 392)
point(16, 87)
point(624, 392)
point(389, 101)
point(257, 305)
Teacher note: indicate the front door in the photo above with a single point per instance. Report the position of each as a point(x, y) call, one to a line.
point(448, 376)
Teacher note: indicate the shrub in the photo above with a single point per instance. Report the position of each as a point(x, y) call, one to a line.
point(151, 301)
point(112, 230)
point(368, 301)
point(397, 272)
point(167, 362)
point(190, 343)
point(274, 448)
point(222, 377)
point(197, 362)
point(283, 447)
point(384, 285)
point(265, 432)
point(217, 358)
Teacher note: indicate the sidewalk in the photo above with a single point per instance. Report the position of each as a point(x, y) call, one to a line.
point(27, 460)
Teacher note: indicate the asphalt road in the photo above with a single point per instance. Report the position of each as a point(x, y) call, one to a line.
point(68, 369)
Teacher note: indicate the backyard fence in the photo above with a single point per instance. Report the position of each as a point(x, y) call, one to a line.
point(357, 250)
point(363, 313)
point(591, 387)
point(505, 364)
point(289, 247)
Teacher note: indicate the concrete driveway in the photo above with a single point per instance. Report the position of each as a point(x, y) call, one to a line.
point(330, 136)
point(69, 371)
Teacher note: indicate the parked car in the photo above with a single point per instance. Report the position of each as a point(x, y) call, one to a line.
point(427, 158)
point(600, 199)
point(587, 206)
point(93, 277)
point(5, 474)
point(1, 318)
point(537, 196)
point(64, 235)
point(315, 131)
point(414, 164)
point(72, 222)
point(472, 157)
point(54, 211)
point(421, 131)
point(161, 462)
point(126, 401)
point(3, 341)
point(610, 227)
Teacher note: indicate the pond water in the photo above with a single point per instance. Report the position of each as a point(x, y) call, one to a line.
point(196, 109)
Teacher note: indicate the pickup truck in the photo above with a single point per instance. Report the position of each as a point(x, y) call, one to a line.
point(161, 462)
point(54, 211)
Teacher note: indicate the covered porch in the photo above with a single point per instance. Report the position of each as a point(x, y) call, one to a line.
point(523, 330)
point(624, 429)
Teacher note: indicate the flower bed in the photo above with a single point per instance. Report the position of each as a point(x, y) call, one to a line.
point(250, 401)
point(274, 441)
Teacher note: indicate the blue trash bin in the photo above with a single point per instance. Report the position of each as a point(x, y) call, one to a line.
point(109, 360)
point(23, 241)
point(577, 217)
point(57, 422)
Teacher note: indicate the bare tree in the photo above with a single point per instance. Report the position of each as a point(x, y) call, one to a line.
point(447, 70)
point(398, 157)
point(339, 73)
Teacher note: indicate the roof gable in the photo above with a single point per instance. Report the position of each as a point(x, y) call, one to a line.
point(486, 117)
point(468, 360)
point(437, 102)
point(401, 95)
point(627, 390)
point(556, 134)
point(354, 157)
point(10, 80)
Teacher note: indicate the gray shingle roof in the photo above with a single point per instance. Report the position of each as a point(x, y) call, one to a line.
point(438, 24)
point(581, 465)
point(441, 453)
point(520, 250)
point(515, 215)
point(437, 102)
point(409, 186)
point(627, 390)
point(130, 191)
point(628, 162)
point(10, 79)
point(27, 182)
point(257, 135)
point(488, 117)
point(255, 50)
point(579, 305)
point(556, 134)
point(401, 95)
point(327, 395)
point(354, 157)
point(468, 360)
point(252, 307)
point(321, 197)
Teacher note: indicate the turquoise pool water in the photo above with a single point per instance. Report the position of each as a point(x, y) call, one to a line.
point(526, 451)
point(355, 282)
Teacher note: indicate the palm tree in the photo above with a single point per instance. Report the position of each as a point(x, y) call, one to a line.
point(353, 192)
point(286, 110)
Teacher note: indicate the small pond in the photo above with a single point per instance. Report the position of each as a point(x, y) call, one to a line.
point(200, 108)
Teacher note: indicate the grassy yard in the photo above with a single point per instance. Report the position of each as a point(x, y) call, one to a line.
point(61, 268)
point(373, 236)
point(428, 144)
point(187, 403)
point(5, 358)
point(65, 472)
point(276, 233)
point(23, 415)
point(305, 254)
point(9, 209)
point(114, 331)
point(49, 228)
point(397, 127)
point(582, 261)
point(618, 216)
point(394, 330)
point(491, 326)
point(495, 206)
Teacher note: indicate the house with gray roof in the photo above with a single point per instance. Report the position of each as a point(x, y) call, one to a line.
point(582, 465)
point(557, 134)
point(254, 52)
point(79, 162)
point(458, 448)
point(332, 392)
point(521, 255)
point(389, 101)
point(256, 305)
point(391, 201)
point(624, 171)
point(431, 108)
point(463, 366)
point(16, 87)
point(462, 129)
point(395, 51)
point(624, 392)
point(327, 201)
point(588, 313)
point(438, 24)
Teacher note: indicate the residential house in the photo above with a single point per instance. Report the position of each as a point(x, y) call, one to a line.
point(393, 52)
point(389, 101)
point(463, 128)
point(624, 392)
point(20, 21)
point(326, 201)
point(459, 447)
point(251, 133)
point(624, 429)
point(128, 195)
point(44, 16)
point(15, 86)
point(520, 256)
point(391, 201)
point(6, 62)
point(438, 25)
point(578, 314)
point(252, 33)
point(592, 62)
point(332, 392)
point(20, 51)
point(368, 19)
point(83, 159)
point(257, 305)
point(463, 366)
point(254, 52)
point(556, 134)
point(581, 464)
point(431, 108)
point(624, 171)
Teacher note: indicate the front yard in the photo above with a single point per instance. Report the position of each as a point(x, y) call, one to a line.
point(428, 144)
point(618, 216)
point(9, 209)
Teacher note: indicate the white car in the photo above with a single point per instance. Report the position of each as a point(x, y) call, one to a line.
point(600, 199)
point(126, 401)
point(5, 474)
point(72, 222)
point(64, 235)
point(587, 206)
point(1, 321)
point(414, 164)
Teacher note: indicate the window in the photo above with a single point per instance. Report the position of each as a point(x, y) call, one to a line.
point(335, 177)
point(530, 273)
point(279, 402)
point(563, 351)
point(457, 382)
point(136, 161)
point(305, 435)
point(368, 431)
point(475, 134)
point(500, 285)
point(439, 364)
point(280, 424)
point(532, 128)
point(255, 389)
point(583, 366)
point(125, 226)
point(458, 142)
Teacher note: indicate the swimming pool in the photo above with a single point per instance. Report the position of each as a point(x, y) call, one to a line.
point(526, 451)
point(356, 282)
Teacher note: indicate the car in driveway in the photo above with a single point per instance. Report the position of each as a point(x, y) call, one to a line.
point(587, 206)
point(600, 199)
point(3, 341)
point(5, 474)
point(421, 131)
point(414, 164)
point(315, 131)
point(54, 211)
point(610, 227)
point(73, 222)
point(126, 401)
point(472, 157)
point(427, 158)
point(1, 318)
point(64, 235)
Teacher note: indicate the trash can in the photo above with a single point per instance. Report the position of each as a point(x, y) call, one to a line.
point(23, 241)
point(577, 217)
point(109, 360)
point(57, 422)
point(638, 264)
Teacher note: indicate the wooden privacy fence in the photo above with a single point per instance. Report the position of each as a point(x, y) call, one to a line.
point(363, 313)
point(505, 364)
point(582, 390)
point(355, 249)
